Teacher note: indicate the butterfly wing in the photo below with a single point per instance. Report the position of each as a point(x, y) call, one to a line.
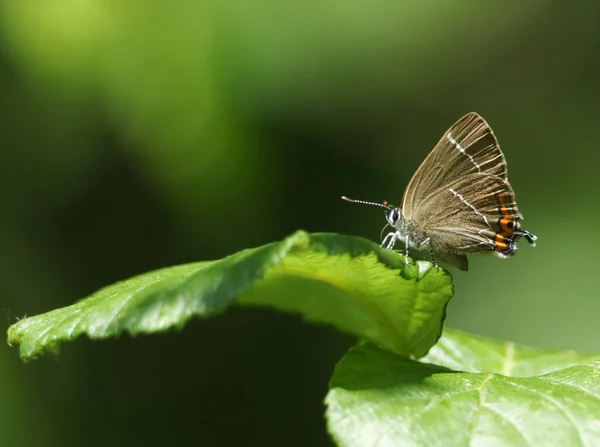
point(469, 147)
point(474, 213)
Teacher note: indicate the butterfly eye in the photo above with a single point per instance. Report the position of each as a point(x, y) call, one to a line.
point(394, 216)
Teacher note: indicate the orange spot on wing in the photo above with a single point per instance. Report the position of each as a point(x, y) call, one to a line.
point(506, 223)
point(499, 244)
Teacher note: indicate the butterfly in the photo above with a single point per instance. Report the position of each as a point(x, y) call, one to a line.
point(459, 201)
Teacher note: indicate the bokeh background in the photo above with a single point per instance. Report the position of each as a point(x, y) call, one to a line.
point(136, 135)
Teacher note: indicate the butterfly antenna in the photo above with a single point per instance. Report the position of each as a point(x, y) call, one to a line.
point(382, 205)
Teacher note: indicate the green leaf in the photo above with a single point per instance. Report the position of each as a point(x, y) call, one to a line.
point(496, 394)
point(345, 281)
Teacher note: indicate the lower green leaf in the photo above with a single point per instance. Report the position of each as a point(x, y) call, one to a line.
point(378, 398)
point(348, 282)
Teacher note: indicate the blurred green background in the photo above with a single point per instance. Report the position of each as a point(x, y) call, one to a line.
point(136, 135)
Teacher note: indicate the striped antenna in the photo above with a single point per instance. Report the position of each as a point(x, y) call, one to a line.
point(382, 205)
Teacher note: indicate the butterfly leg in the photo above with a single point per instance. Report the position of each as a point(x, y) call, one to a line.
point(433, 261)
point(393, 237)
point(392, 240)
point(384, 242)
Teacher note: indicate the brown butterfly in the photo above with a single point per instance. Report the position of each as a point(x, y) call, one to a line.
point(459, 201)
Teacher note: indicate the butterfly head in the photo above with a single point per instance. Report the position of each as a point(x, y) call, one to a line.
point(393, 216)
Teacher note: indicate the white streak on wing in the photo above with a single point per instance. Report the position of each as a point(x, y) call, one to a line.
point(462, 150)
point(463, 200)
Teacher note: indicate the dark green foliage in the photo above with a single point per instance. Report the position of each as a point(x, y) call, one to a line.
point(467, 390)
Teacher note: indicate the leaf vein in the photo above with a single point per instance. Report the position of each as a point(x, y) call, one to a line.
point(557, 404)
